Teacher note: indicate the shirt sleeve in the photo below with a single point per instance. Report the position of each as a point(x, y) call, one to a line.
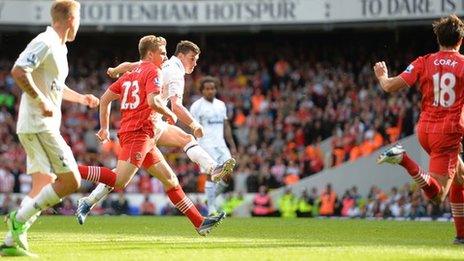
point(175, 84)
point(194, 111)
point(413, 71)
point(153, 81)
point(224, 110)
point(34, 54)
point(116, 86)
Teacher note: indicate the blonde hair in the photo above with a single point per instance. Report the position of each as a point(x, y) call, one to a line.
point(63, 9)
point(150, 43)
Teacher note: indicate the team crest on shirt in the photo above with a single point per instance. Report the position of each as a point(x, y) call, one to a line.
point(32, 59)
point(157, 81)
point(409, 68)
point(138, 156)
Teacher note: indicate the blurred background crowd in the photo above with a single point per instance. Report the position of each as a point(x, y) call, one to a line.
point(285, 94)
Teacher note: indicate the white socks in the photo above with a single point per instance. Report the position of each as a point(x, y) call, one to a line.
point(100, 192)
point(198, 155)
point(9, 241)
point(46, 198)
point(210, 190)
point(221, 186)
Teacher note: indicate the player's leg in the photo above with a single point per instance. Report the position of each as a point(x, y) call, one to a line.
point(134, 147)
point(212, 189)
point(173, 136)
point(62, 162)
point(107, 179)
point(210, 186)
point(224, 156)
point(98, 174)
point(456, 198)
point(37, 165)
point(210, 194)
point(444, 160)
point(39, 180)
point(157, 166)
point(397, 155)
point(124, 172)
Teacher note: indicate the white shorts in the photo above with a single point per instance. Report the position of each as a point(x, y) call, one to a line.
point(47, 153)
point(219, 154)
point(160, 127)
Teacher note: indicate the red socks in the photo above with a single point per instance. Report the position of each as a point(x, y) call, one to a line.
point(456, 197)
point(98, 174)
point(185, 205)
point(409, 165)
point(427, 183)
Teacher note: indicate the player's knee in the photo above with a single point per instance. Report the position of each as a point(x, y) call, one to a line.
point(169, 181)
point(172, 182)
point(71, 183)
point(121, 183)
point(76, 184)
point(187, 138)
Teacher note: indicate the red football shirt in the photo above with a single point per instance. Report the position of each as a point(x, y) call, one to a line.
point(134, 88)
point(440, 77)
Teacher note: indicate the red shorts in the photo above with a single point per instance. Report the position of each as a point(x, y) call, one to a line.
point(138, 148)
point(443, 150)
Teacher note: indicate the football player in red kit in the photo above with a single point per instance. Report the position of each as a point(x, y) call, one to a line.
point(440, 128)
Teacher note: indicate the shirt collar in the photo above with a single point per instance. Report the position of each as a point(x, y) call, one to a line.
point(214, 99)
point(54, 35)
point(178, 63)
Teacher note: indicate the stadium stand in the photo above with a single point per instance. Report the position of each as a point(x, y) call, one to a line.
point(282, 101)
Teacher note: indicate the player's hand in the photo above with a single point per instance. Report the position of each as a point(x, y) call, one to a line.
point(103, 135)
point(198, 132)
point(111, 72)
point(380, 69)
point(46, 109)
point(171, 118)
point(91, 100)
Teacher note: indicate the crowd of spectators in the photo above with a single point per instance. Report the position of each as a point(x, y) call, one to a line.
point(407, 202)
point(282, 101)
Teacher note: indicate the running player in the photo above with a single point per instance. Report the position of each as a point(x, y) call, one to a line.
point(440, 127)
point(211, 113)
point(138, 92)
point(183, 62)
point(40, 71)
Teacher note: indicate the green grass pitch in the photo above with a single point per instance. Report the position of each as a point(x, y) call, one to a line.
point(172, 238)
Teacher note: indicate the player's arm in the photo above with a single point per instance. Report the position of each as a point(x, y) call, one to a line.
point(121, 69)
point(229, 137)
point(25, 82)
point(153, 85)
point(29, 60)
point(388, 84)
point(156, 103)
point(185, 116)
point(105, 110)
point(84, 99)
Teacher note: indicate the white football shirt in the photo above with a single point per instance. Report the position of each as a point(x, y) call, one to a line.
point(173, 73)
point(45, 58)
point(211, 116)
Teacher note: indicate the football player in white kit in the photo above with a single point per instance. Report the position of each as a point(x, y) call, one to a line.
point(173, 73)
point(40, 71)
point(211, 113)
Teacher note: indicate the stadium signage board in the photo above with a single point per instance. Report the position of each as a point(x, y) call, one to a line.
point(213, 13)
